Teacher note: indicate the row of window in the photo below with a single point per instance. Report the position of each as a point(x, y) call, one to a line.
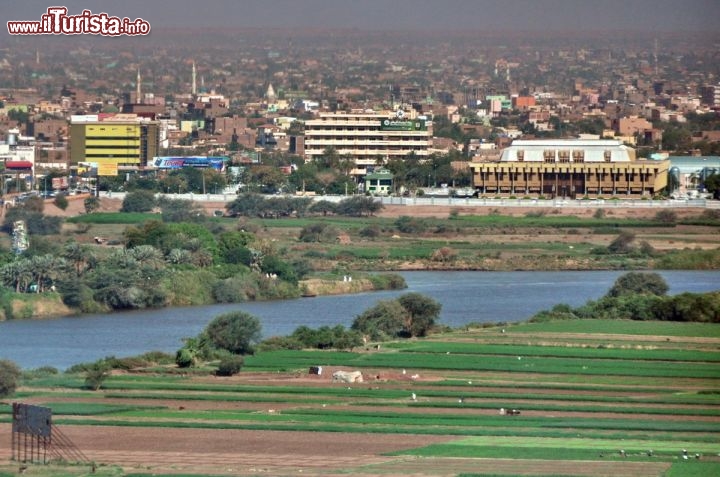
point(563, 156)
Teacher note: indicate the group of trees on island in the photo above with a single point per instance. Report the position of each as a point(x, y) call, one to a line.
point(232, 335)
point(641, 296)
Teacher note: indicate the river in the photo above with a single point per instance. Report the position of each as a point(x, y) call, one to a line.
point(465, 297)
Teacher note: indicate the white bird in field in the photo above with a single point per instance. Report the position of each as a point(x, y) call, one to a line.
point(414, 397)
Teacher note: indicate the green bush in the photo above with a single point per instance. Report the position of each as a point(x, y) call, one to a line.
point(410, 225)
point(139, 201)
point(388, 281)
point(371, 231)
point(230, 366)
point(61, 201)
point(9, 376)
point(320, 232)
point(236, 332)
point(185, 358)
point(96, 375)
point(236, 289)
point(639, 283)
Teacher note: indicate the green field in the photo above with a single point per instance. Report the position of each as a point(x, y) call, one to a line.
point(586, 390)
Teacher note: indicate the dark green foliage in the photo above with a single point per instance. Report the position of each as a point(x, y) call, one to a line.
point(61, 201)
point(324, 337)
point(641, 296)
point(689, 307)
point(273, 265)
point(371, 231)
point(411, 225)
point(358, 206)
point(184, 358)
point(409, 315)
point(96, 375)
point(257, 205)
point(383, 321)
point(36, 222)
point(623, 307)
point(388, 281)
point(422, 312)
point(560, 311)
point(623, 243)
point(178, 210)
point(230, 365)
point(127, 287)
point(247, 205)
point(641, 283)
point(9, 376)
point(236, 289)
point(280, 342)
point(320, 232)
point(236, 332)
point(232, 247)
point(152, 232)
point(139, 201)
point(91, 204)
point(78, 295)
point(323, 207)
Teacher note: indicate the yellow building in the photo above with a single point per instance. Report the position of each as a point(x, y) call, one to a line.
point(570, 168)
point(116, 141)
point(368, 138)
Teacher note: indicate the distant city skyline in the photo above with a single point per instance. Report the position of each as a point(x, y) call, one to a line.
point(493, 15)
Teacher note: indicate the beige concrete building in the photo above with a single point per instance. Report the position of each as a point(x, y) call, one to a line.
point(570, 168)
point(368, 138)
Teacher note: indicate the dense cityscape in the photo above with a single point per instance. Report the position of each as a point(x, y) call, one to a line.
point(248, 94)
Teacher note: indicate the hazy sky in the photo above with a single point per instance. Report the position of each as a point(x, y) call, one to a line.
point(498, 15)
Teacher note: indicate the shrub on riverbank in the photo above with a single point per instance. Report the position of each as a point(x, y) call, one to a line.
point(640, 296)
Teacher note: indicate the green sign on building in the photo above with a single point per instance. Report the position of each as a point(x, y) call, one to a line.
point(402, 125)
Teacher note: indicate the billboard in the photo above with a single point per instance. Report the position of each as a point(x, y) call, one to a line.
point(107, 169)
point(398, 124)
point(32, 420)
point(170, 162)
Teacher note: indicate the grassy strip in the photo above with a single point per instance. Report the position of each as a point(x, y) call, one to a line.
point(693, 468)
point(383, 398)
point(279, 359)
point(599, 352)
point(125, 218)
point(620, 327)
point(561, 449)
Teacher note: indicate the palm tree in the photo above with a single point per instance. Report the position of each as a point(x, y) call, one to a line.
point(147, 255)
point(81, 257)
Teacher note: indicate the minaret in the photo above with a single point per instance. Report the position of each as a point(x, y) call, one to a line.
point(138, 91)
point(194, 82)
point(656, 58)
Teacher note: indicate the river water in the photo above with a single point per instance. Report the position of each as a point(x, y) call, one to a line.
point(465, 297)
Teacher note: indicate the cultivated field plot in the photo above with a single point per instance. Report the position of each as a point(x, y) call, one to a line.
point(561, 398)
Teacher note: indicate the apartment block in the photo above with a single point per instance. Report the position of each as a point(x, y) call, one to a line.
point(368, 138)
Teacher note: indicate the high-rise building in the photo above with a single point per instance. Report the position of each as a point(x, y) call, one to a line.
point(119, 140)
point(367, 138)
point(570, 168)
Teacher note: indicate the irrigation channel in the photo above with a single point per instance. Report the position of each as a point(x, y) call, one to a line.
point(466, 297)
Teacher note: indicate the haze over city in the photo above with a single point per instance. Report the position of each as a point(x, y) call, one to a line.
point(507, 15)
